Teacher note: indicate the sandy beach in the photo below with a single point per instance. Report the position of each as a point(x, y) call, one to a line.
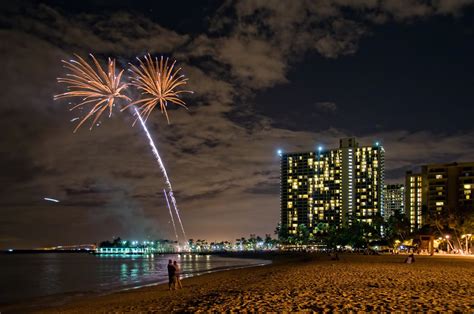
point(310, 283)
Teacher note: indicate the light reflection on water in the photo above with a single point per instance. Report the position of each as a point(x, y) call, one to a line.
point(25, 276)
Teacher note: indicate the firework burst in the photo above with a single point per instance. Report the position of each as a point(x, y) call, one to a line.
point(96, 87)
point(159, 83)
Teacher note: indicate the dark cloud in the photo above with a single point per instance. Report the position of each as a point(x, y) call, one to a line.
point(325, 26)
point(120, 33)
point(129, 174)
point(265, 188)
point(211, 193)
point(451, 6)
point(85, 203)
point(91, 189)
point(326, 107)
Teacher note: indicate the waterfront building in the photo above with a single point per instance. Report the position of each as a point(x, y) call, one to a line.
point(332, 187)
point(449, 189)
point(414, 199)
point(394, 199)
point(440, 190)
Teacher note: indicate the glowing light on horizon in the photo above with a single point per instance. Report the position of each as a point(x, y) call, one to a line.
point(163, 170)
point(171, 214)
point(94, 86)
point(159, 82)
point(51, 199)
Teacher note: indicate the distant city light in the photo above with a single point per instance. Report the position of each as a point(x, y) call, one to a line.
point(51, 200)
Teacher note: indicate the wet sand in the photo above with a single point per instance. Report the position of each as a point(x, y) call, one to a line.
point(310, 283)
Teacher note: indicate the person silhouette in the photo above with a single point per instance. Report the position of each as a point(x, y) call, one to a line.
point(171, 275)
point(177, 275)
point(410, 259)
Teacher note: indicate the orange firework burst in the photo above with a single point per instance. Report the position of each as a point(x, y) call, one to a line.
point(96, 87)
point(159, 83)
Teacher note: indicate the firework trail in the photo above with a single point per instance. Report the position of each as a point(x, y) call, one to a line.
point(159, 82)
point(171, 214)
point(173, 201)
point(163, 169)
point(94, 86)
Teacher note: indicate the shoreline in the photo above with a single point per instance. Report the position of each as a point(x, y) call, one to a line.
point(305, 282)
point(56, 300)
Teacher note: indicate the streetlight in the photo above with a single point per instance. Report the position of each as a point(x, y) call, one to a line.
point(280, 152)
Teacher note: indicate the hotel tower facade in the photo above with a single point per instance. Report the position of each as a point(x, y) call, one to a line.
point(394, 200)
point(439, 190)
point(414, 199)
point(334, 187)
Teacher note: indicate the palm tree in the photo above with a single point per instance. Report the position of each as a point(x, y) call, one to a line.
point(397, 227)
point(302, 234)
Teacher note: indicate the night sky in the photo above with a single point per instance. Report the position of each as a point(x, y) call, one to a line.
point(266, 75)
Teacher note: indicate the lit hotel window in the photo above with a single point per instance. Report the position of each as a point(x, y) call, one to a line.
point(439, 176)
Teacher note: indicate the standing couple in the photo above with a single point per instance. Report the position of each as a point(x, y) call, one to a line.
point(174, 273)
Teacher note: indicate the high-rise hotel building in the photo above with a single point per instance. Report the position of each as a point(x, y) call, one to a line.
point(449, 189)
point(439, 189)
point(394, 199)
point(414, 199)
point(337, 186)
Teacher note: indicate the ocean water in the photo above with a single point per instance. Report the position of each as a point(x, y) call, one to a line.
point(28, 276)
